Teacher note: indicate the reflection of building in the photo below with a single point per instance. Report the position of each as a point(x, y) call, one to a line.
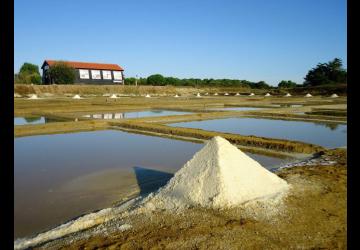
point(107, 116)
point(87, 73)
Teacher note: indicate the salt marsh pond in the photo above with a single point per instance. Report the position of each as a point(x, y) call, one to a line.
point(59, 177)
point(329, 135)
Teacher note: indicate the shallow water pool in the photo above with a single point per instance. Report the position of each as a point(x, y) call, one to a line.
point(34, 120)
point(327, 135)
point(137, 114)
point(59, 177)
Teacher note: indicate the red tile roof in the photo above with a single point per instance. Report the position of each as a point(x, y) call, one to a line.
point(86, 65)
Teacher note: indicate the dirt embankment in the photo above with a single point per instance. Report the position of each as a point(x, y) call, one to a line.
point(26, 89)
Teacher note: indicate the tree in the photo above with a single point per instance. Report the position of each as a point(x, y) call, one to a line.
point(61, 73)
point(326, 73)
point(29, 73)
point(261, 85)
point(287, 84)
point(156, 79)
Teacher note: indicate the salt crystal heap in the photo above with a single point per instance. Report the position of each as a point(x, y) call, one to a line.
point(334, 96)
point(33, 97)
point(267, 94)
point(218, 176)
point(287, 95)
point(76, 97)
point(113, 96)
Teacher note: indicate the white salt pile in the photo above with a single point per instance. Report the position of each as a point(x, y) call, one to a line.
point(308, 95)
point(226, 94)
point(33, 97)
point(267, 94)
point(251, 94)
point(237, 94)
point(76, 97)
point(216, 94)
point(113, 96)
point(218, 176)
point(147, 95)
point(198, 95)
point(334, 96)
point(287, 95)
point(176, 95)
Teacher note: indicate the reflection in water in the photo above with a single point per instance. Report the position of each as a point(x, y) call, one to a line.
point(32, 119)
point(290, 105)
point(39, 120)
point(123, 115)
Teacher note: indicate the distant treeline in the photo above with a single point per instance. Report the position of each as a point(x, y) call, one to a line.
point(160, 80)
point(330, 73)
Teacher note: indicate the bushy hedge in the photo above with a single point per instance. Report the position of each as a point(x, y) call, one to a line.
point(159, 80)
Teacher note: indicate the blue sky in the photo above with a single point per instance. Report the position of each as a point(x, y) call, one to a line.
point(250, 39)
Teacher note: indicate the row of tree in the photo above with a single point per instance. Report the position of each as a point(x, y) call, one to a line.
point(324, 73)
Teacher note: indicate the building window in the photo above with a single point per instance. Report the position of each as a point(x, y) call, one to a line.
point(95, 74)
point(84, 74)
point(106, 74)
point(117, 75)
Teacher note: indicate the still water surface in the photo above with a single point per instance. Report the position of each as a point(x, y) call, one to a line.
point(36, 120)
point(137, 114)
point(327, 135)
point(59, 177)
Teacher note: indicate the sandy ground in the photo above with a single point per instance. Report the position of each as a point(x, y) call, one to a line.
point(313, 216)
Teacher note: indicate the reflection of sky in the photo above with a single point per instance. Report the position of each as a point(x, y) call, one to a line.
point(327, 135)
point(28, 120)
point(135, 114)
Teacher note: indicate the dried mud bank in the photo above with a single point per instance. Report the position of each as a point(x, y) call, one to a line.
point(262, 142)
point(312, 216)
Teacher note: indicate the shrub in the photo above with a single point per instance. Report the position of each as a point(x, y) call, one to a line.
point(287, 84)
point(156, 79)
point(29, 73)
point(61, 73)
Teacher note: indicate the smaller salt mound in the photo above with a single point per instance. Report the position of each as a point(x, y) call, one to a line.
point(216, 94)
point(308, 95)
point(218, 176)
point(267, 94)
point(147, 96)
point(176, 96)
point(334, 96)
point(76, 97)
point(251, 94)
point(287, 95)
point(226, 94)
point(113, 96)
point(198, 95)
point(34, 97)
point(237, 94)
